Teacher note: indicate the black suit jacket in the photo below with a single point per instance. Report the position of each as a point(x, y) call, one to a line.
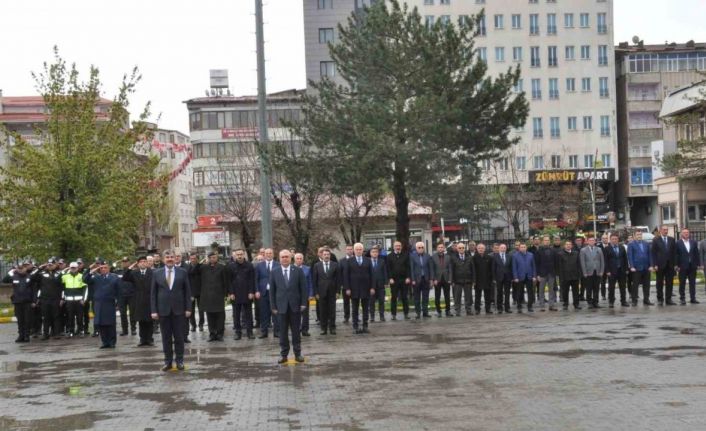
point(165, 301)
point(326, 283)
point(502, 272)
point(358, 278)
point(380, 277)
point(662, 256)
point(687, 260)
point(292, 294)
point(609, 258)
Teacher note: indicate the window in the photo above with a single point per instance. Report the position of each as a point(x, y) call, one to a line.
point(480, 1)
point(551, 56)
point(503, 164)
point(585, 84)
point(583, 20)
point(446, 2)
point(585, 52)
point(538, 162)
point(486, 164)
point(483, 54)
point(534, 1)
point(325, 35)
point(556, 161)
point(536, 89)
point(570, 85)
point(568, 20)
point(668, 213)
point(429, 2)
point(429, 21)
point(553, 88)
point(221, 149)
point(551, 23)
point(639, 63)
point(534, 24)
point(521, 163)
point(517, 53)
point(537, 131)
point(516, 21)
point(198, 178)
point(643, 120)
point(325, 4)
point(499, 53)
point(588, 161)
point(574, 161)
point(602, 55)
point(605, 125)
point(601, 23)
point(570, 52)
point(534, 56)
point(571, 123)
point(641, 176)
point(603, 87)
point(519, 87)
point(445, 20)
point(554, 127)
point(605, 159)
point(587, 122)
point(463, 20)
point(327, 69)
point(481, 26)
point(198, 151)
point(696, 212)
point(499, 22)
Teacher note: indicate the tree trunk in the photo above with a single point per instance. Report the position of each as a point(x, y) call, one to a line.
point(248, 239)
point(399, 189)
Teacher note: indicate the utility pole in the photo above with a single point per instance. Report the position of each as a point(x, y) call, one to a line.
point(266, 212)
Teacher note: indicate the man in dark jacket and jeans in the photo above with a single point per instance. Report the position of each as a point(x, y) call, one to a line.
point(569, 271)
point(241, 292)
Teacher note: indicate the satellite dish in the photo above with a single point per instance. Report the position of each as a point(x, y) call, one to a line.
point(635, 40)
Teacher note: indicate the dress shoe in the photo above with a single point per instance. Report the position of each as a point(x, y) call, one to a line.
point(624, 304)
point(357, 331)
point(365, 330)
point(219, 338)
point(394, 317)
point(670, 302)
point(634, 303)
point(648, 302)
point(262, 335)
point(180, 366)
point(276, 334)
point(238, 336)
point(26, 339)
point(250, 336)
point(660, 302)
point(299, 358)
point(426, 316)
point(448, 314)
point(578, 307)
point(105, 346)
point(382, 318)
point(167, 367)
point(133, 332)
point(346, 321)
point(417, 317)
point(142, 344)
point(323, 332)
point(19, 340)
point(200, 328)
point(438, 314)
point(95, 334)
point(187, 341)
point(406, 317)
point(682, 302)
point(306, 334)
point(193, 329)
point(693, 301)
point(122, 334)
point(372, 320)
point(332, 331)
point(282, 360)
point(611, 305)
point(212, 338)
point(508, 310)
point(552, 308)
point(45, 337)
point(564, 307)
point(530, 309)
point(596, 306)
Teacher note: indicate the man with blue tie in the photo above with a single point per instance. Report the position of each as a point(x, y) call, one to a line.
point(639, 262)
point(358, 282)
point(306, 269)
point(524, 272)
point(263, 270)
point(688, 261)
point(289, 296)
point(423, 276)
point(616, 263)
point(379, 279)
point(170, 298)
point(663, 257)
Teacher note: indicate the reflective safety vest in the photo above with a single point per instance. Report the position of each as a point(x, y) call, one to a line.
point(74, 287)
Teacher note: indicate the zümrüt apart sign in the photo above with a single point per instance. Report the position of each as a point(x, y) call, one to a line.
point(571, 175)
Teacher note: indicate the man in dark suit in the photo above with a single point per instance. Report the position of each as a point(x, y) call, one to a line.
point(639, 262)
point(440, 260)
point(663, 257)
point(195, 283)
point(462, 275)
point(347, 299)
point(398, 269)
point(105, 301)
point(306, 269)
point(241, 293)
point(358, 282)
point(502, 274)
point(688, 261)
point(423, 277)
point(289, 297)
point(262, 281)
point(215, 283)
point(483, 268)
point(326, 279)
point(170, 298)
point(379, 280)
point(617, 269)
point(141, 278)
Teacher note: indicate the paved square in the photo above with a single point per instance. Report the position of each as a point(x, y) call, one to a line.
point(612, 369)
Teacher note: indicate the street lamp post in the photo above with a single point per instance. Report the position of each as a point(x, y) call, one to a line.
point(265, 204)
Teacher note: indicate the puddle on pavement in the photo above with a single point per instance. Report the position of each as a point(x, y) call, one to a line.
point(79, 421)
point(176, 402)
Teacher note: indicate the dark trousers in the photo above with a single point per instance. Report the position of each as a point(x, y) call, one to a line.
point(172, 327)
point(665, 283)
point(108, 335)
point(51, 317)
point(486, 291)
point(621, 279)
point(574, 286)
point(290, 320)
point(521, 286)
point(582, 290)
point(400, 290)
point(690, 274)
point(604, 282)
point(74, 322)
point(640, 278)
point(216, 323)
point(504, 289)
point(242, 313)
point(442, 286)
point(192, 319)
point(378, 298)
point(37, 319)
point(266, 318)
point(305, 318)
point(592, 285)
point(421, 296)
point(356, 304)
point(146, 331)
point(464, 290)
point(126, 303)
point(327, 308)
point(23, 313)
point(346, 307)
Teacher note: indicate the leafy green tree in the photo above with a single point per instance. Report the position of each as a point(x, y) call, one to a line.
point(84, 191)
point(689, 161)
point(416, 109)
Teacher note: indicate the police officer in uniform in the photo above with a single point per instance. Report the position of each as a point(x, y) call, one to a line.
point(50, 290)
point(23, 299)
point(75, 295)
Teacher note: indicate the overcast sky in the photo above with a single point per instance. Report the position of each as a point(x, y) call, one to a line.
point(176, 42)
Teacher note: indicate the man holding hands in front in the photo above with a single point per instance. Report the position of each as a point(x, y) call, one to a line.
point(289, 296)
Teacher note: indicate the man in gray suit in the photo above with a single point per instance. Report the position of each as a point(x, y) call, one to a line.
point(289, 298)
point(442, 268)
point(592, 267)
point(170, 300)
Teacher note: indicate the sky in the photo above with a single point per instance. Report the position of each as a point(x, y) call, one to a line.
point(174, 43)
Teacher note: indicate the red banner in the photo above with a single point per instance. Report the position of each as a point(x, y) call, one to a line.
point(241, 133)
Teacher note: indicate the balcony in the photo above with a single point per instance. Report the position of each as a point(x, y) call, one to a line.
point(646, 190)
point(645, 135)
